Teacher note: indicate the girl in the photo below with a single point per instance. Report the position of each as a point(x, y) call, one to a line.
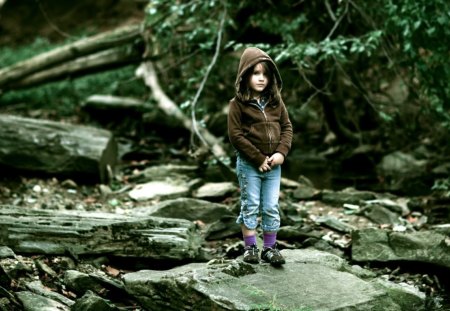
point(261, 133)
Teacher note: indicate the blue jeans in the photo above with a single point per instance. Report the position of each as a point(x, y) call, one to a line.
point(260, 192)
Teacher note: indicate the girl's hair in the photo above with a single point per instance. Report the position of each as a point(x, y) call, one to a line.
point(272, 91)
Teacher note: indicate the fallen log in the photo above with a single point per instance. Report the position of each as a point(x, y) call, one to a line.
point(101, 61)
point(107, 109)
point(56, 148)
point(95, 233)
point(68, 52)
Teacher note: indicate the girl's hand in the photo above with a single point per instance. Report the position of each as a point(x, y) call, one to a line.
point(265, 166)
point(276, 159)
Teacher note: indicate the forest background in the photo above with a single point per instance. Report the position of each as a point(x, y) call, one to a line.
point(361, 80)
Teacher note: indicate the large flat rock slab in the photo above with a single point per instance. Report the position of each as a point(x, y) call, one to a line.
point(310, 280)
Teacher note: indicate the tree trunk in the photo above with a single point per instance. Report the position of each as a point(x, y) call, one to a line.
point(69, 52)
point(96, 233)
point(56, 148)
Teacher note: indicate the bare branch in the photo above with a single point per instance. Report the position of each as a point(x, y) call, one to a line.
point(330, 11)
point(147, 72)
point(47, 18)
point(205, 78)
point(336, 24)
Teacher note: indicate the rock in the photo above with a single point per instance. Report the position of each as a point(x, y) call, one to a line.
point(185, 208)
point(57, 148)
point(297, 233)
point(162, 172)
point(403, 173)
point(6, 252)
point(335, 224)
point(79, 282)
point(349, 196)
point(382, 246)
point(35, 302)
point(381, 215)
point(159, 189)
point(306, 193)
point(224, 228)
point(92, 302)
point(84, 233)
point(215, 190)
point(400, 163)
point(399, 206)
point(38, 288)
point(405, 295)
point(317, 281)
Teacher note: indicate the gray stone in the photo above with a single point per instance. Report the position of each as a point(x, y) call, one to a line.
point(163, 172)
point(35, 302)
point(79, 282)
point(6, 252)
point(407, 296)
point(349, 196)
point(82, 233)
point(334, 223)
point(381, 215)
point(92, 302)
point(215, 190)
point(373, 244)
point(185, 208)
point(310, 280)
point(159, 189)
point(38, 288)
point(400, 163)
point(306, 193)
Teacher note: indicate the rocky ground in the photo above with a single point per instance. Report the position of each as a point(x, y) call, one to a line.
point(49, 193)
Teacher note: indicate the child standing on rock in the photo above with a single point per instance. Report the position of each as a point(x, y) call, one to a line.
point(261, 133)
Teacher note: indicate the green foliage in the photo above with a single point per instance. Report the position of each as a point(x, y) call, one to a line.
point(422, 28)
point(340, 48)
point(10, 55)
point(186, 35)
point(278, 25)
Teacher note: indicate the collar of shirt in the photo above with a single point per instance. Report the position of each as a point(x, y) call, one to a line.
point(261, 103)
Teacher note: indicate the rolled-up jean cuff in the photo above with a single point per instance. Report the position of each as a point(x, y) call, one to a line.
point(270, 229)
point(240, 221)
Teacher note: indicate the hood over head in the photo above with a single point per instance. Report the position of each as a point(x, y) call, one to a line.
point(250, 57)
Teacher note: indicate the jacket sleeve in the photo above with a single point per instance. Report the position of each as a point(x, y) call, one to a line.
point(286, 132)
point(238, 139)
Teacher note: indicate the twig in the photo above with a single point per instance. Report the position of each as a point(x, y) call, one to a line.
point(205, 78)
point(56, 28)
point(336, 24)
point(327, 5)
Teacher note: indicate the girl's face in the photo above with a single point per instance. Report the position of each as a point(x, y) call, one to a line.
point(258, 80)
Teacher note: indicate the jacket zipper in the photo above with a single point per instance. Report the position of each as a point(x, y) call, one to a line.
point(268, 131)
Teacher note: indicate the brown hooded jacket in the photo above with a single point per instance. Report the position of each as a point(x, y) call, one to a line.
point(254, 133)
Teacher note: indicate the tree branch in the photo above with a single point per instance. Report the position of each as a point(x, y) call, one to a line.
point(205, 78)
point(146, 71)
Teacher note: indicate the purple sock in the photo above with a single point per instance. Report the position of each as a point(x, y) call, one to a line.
point(250, 240)
point(269, 239)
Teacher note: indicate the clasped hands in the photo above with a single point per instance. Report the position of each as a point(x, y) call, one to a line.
point(275, 159)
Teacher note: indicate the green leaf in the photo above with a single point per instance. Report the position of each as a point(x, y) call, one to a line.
point(311, 50)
